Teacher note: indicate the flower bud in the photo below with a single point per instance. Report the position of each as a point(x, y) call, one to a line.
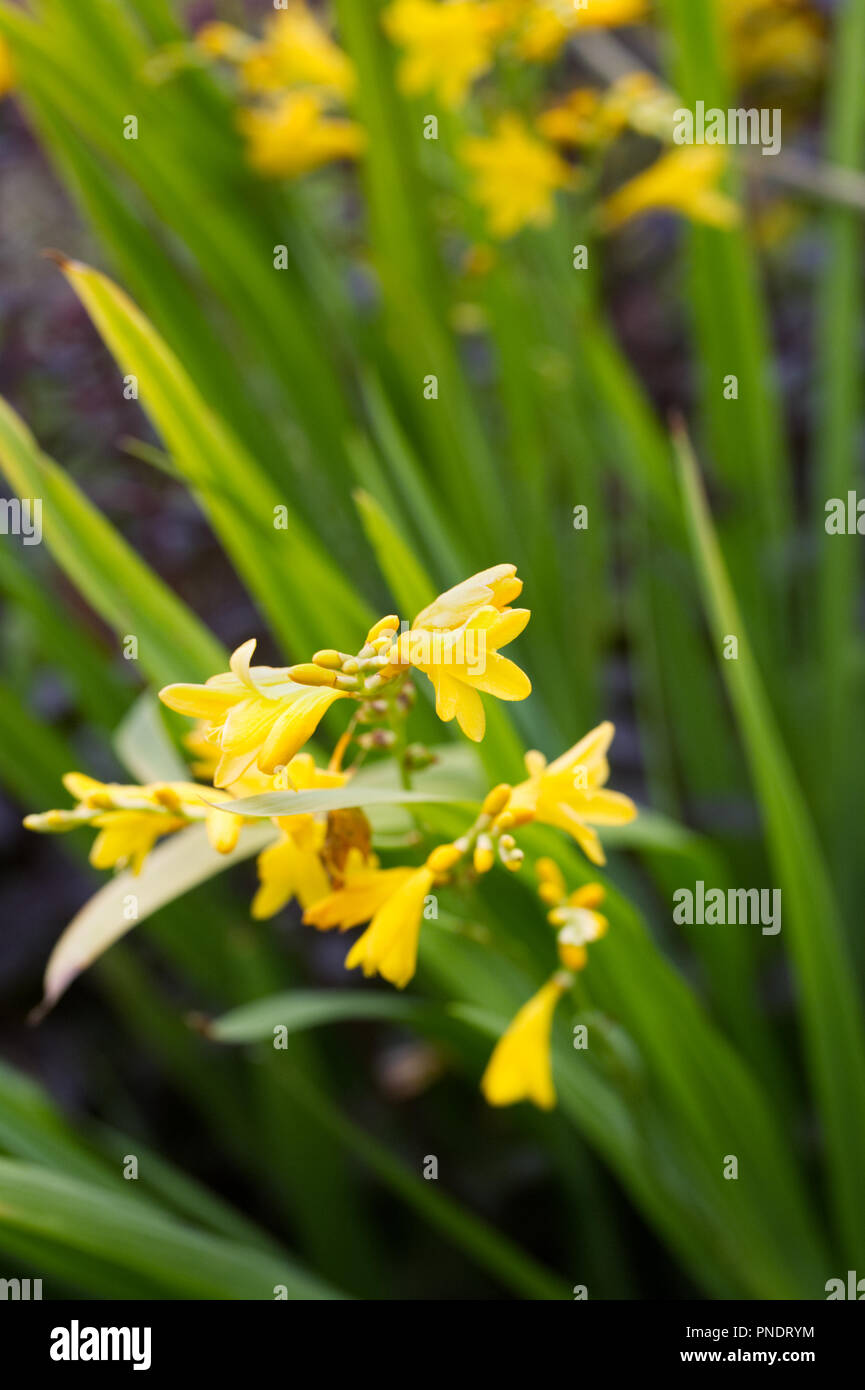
point(484, 855)
point(308, 674)
point(497, 799)
point(328, 658)
point(443, 858)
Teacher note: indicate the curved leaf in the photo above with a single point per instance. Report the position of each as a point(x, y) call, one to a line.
point(172, 869)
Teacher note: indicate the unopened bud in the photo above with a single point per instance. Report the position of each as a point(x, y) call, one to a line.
point(484, 855)
point(443, 858)
point(384, 625)
point(330, 659)
point(308, 674)
point(497, 799)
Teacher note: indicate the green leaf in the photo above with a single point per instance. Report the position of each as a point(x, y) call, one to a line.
point(303, 1009)
point(337, 799)
point(186, 1262)
point(120, 587)
point(239, 499)
point(174, 867)
point(143, 746)
point(831, 1014)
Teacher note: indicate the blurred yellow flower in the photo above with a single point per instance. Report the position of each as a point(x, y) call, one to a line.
point(293, 868)
point(296, 51)
point(392, 901)
point(516, 176)
point(548, 24)
point(447, 44)
point(684, 180)
point(589, 116)
point(7, 71)
point(574, 121)
point(570, 792)
point(364, 892)
point(792, 45)
point(293, 135)
point(520, 1067)
point(131, 819)
point(257, 714)
point(578, 924)
point(389, 945)
point(220, 40)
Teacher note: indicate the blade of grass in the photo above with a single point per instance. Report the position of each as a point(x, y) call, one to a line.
point(119, 586)
point(239, 499)
point(831, 1013)
point(188, 1263)
point(841, 300)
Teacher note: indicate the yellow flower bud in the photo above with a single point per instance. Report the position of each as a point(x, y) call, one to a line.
point(331, 660)
point(308, 674)
point(497, 799)
point(388, 624)
point(573, 957)
point(484, 855)
point(443, 858)
point(590, 895)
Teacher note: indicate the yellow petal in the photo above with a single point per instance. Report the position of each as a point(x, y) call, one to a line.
point(496, 586)
point(389, 945)
point(199, 701)
point(520, 1067)
point(358, 901)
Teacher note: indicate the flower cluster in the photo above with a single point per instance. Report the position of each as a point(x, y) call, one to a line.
point(301, 83)
point(252, 725)
point(298, 86)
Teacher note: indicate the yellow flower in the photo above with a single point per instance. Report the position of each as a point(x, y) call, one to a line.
point(365, 890)
point(298, 51)
point(220, 40)
point(578, 924)
point(295, 50)
point(516, 176)
point(548, 24)
point(7, 70)
point(131, 819)
point(293, 868)
point(446, 43)
point(684, 180)
point(520, 1067)
point(456, 644)
point(496, 587)
point(389, 945)
point(574, 121)
point(294, 135)
point(257, 714)
point(569, 793)
point(589, 117)
point(392, 901)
